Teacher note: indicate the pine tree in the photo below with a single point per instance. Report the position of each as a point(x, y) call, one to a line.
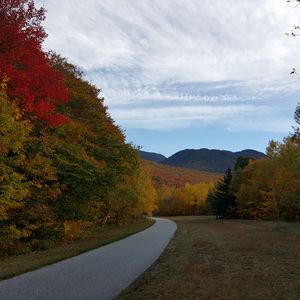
point(223, 201)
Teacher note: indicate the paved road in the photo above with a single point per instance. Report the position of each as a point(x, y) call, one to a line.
point(99, 274)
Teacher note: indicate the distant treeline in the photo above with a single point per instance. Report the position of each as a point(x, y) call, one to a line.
point(265, 189)
point(179, 191)
point(260, 189)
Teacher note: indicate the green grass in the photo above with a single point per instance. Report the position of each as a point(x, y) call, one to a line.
point(224, 259)
point(94, 238)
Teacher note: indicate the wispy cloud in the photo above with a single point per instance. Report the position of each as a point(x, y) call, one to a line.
point(232, 117)
point(176, 51)
point(176, 40)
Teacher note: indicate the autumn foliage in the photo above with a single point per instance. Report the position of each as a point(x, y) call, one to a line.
point(31, 80)
point(270, 188)
point(179, 191)
point(265, 189)
point(64, 164)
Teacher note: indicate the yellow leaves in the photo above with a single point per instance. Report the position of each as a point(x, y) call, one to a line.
point(266, 208)
point(268, 186)
point(11, 234)
point(13, 190)
point(183, 201)
point(40, 170)
point(73, 229)
point(147, 192)
point(198, 191)
point(151, 208)
point(13, 130)
point(95, 208)
point(99, 164)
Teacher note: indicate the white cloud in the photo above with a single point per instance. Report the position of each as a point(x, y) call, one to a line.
point(132, 49)
point(233, 117)
point(174, 39)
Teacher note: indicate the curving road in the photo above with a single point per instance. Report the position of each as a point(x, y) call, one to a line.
point(99, 274)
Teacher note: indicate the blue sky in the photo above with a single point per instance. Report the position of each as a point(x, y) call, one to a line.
point(180, 74)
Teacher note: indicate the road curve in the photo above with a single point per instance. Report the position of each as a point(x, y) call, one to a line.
point(98, 274)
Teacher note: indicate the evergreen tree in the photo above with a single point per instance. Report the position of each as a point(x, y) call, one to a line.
point(223, 200)
point(296, 134)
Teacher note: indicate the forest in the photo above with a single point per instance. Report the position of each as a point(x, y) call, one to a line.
point(65, 165)
point(264, 189)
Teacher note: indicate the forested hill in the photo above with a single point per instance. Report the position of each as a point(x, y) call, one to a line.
point(209, 160)
point(216, 161)
point(156, 157)
point(177, 177)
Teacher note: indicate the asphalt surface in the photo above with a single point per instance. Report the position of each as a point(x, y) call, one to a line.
point(98, 274)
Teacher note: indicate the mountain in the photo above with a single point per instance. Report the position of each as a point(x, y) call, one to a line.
point(216, 161)
point(156, 157)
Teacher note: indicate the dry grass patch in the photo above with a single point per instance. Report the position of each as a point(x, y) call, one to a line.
point(225, 259)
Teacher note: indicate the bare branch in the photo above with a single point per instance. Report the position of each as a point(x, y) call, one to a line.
point(295, 31)
point(294, 1)
point(294, 72)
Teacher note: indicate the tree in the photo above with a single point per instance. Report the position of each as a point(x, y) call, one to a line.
point(146, 190)
point(31, 79)
point(13, 134)
point(268, 189)
point(14, 188)
point(296, 134)
point(297, 115)
point(223, 202)
point(241, 163)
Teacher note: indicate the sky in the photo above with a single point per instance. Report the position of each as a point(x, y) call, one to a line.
point(185, 74)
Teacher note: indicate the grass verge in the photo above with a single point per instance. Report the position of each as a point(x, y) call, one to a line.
point(94, 238)
point(224, 259)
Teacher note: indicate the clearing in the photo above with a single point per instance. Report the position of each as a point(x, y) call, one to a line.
point(225, 259)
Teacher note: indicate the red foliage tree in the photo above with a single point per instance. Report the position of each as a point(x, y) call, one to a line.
point(31, 79)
